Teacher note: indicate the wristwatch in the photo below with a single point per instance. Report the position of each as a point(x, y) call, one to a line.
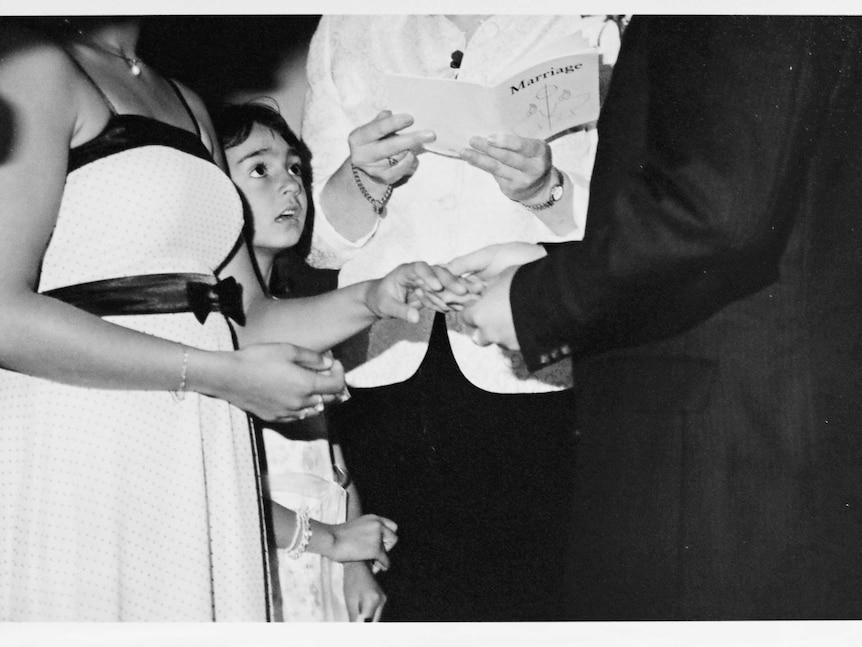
point(556, 194)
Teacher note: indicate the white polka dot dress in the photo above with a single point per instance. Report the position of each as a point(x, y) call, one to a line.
point(120, 505)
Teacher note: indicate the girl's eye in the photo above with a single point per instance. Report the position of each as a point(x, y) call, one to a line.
point(295, 169)
point(258, 170)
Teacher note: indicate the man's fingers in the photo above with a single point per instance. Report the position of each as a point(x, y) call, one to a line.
point(479, 338)
point(472, 263)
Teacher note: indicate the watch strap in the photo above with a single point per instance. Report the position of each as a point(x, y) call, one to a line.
point(556, 194)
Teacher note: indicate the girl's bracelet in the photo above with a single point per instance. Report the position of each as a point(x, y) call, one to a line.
point(301, 536)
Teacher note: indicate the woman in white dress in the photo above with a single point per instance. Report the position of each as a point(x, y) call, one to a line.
point(118, 499)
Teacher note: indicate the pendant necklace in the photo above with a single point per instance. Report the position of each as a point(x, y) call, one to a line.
point(133, 62)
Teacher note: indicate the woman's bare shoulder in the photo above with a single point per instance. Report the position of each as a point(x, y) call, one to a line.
point(39, 88)
point(28, 54)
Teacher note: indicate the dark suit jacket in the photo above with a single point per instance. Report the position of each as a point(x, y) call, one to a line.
point(715, 308)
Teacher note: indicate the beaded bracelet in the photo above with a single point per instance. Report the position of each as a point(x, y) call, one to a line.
point(302, 533)
point(297, 531)
point(180, 393)
point(377, 205)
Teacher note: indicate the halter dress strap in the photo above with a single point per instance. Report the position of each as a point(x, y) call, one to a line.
point(185, 105)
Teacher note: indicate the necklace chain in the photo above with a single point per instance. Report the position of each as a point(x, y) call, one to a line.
point(133, 62)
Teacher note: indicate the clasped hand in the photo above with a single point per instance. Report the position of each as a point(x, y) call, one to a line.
point(475, 285)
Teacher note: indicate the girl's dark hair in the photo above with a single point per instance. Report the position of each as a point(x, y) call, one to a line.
point(233, 123)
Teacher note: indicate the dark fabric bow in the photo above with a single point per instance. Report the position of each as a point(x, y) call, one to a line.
point(224, 296)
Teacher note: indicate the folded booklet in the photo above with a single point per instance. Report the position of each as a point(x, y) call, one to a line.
point(554, 89)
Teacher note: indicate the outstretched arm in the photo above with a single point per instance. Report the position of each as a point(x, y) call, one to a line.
point(322, 321)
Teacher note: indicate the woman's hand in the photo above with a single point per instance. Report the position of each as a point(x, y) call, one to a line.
point(365, 599)
point(522, 167)
point(384, 154)
point(366, 538)
point(276, 382)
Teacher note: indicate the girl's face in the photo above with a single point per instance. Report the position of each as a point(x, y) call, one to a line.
point(268, 173)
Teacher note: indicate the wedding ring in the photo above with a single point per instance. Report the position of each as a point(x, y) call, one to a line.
point(320, 404)
point(392, 161)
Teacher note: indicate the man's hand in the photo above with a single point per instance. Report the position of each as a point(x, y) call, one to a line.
point(491, 315)
point(488, 262)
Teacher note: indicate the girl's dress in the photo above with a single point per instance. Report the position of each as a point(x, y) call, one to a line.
point(300, 474)
point(132, 505)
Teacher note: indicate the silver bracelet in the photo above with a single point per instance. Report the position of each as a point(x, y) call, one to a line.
point(297, 531)
point(377, 205)
point(302, 533)
point(180, 394)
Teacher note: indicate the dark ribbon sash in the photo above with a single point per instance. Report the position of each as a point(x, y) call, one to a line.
point(199, 294)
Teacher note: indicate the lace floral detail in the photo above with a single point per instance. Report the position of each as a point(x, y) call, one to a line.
point(447, 208)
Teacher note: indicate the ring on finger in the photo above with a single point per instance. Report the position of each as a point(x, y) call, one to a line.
point(392, 161)
point(320, 405)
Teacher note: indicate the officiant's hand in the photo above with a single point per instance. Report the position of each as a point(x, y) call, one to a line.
point(385, 154)
point(522, 167)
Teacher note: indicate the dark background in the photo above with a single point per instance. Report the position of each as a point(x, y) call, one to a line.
point(221, 57)
point(224, 57)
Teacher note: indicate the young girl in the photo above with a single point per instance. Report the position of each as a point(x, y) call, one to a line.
point(265, 162)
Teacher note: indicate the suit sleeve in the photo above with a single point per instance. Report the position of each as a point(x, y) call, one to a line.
point(702, 143)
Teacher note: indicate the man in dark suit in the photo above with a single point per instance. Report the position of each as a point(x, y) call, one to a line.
point(715, 312)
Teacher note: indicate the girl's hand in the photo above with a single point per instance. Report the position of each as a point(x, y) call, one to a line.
point(384, 155)
point(410, 286)
point(368, 537)
point(276, 382)
point(455, 294)
point(365, 599)
point(522, 167)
